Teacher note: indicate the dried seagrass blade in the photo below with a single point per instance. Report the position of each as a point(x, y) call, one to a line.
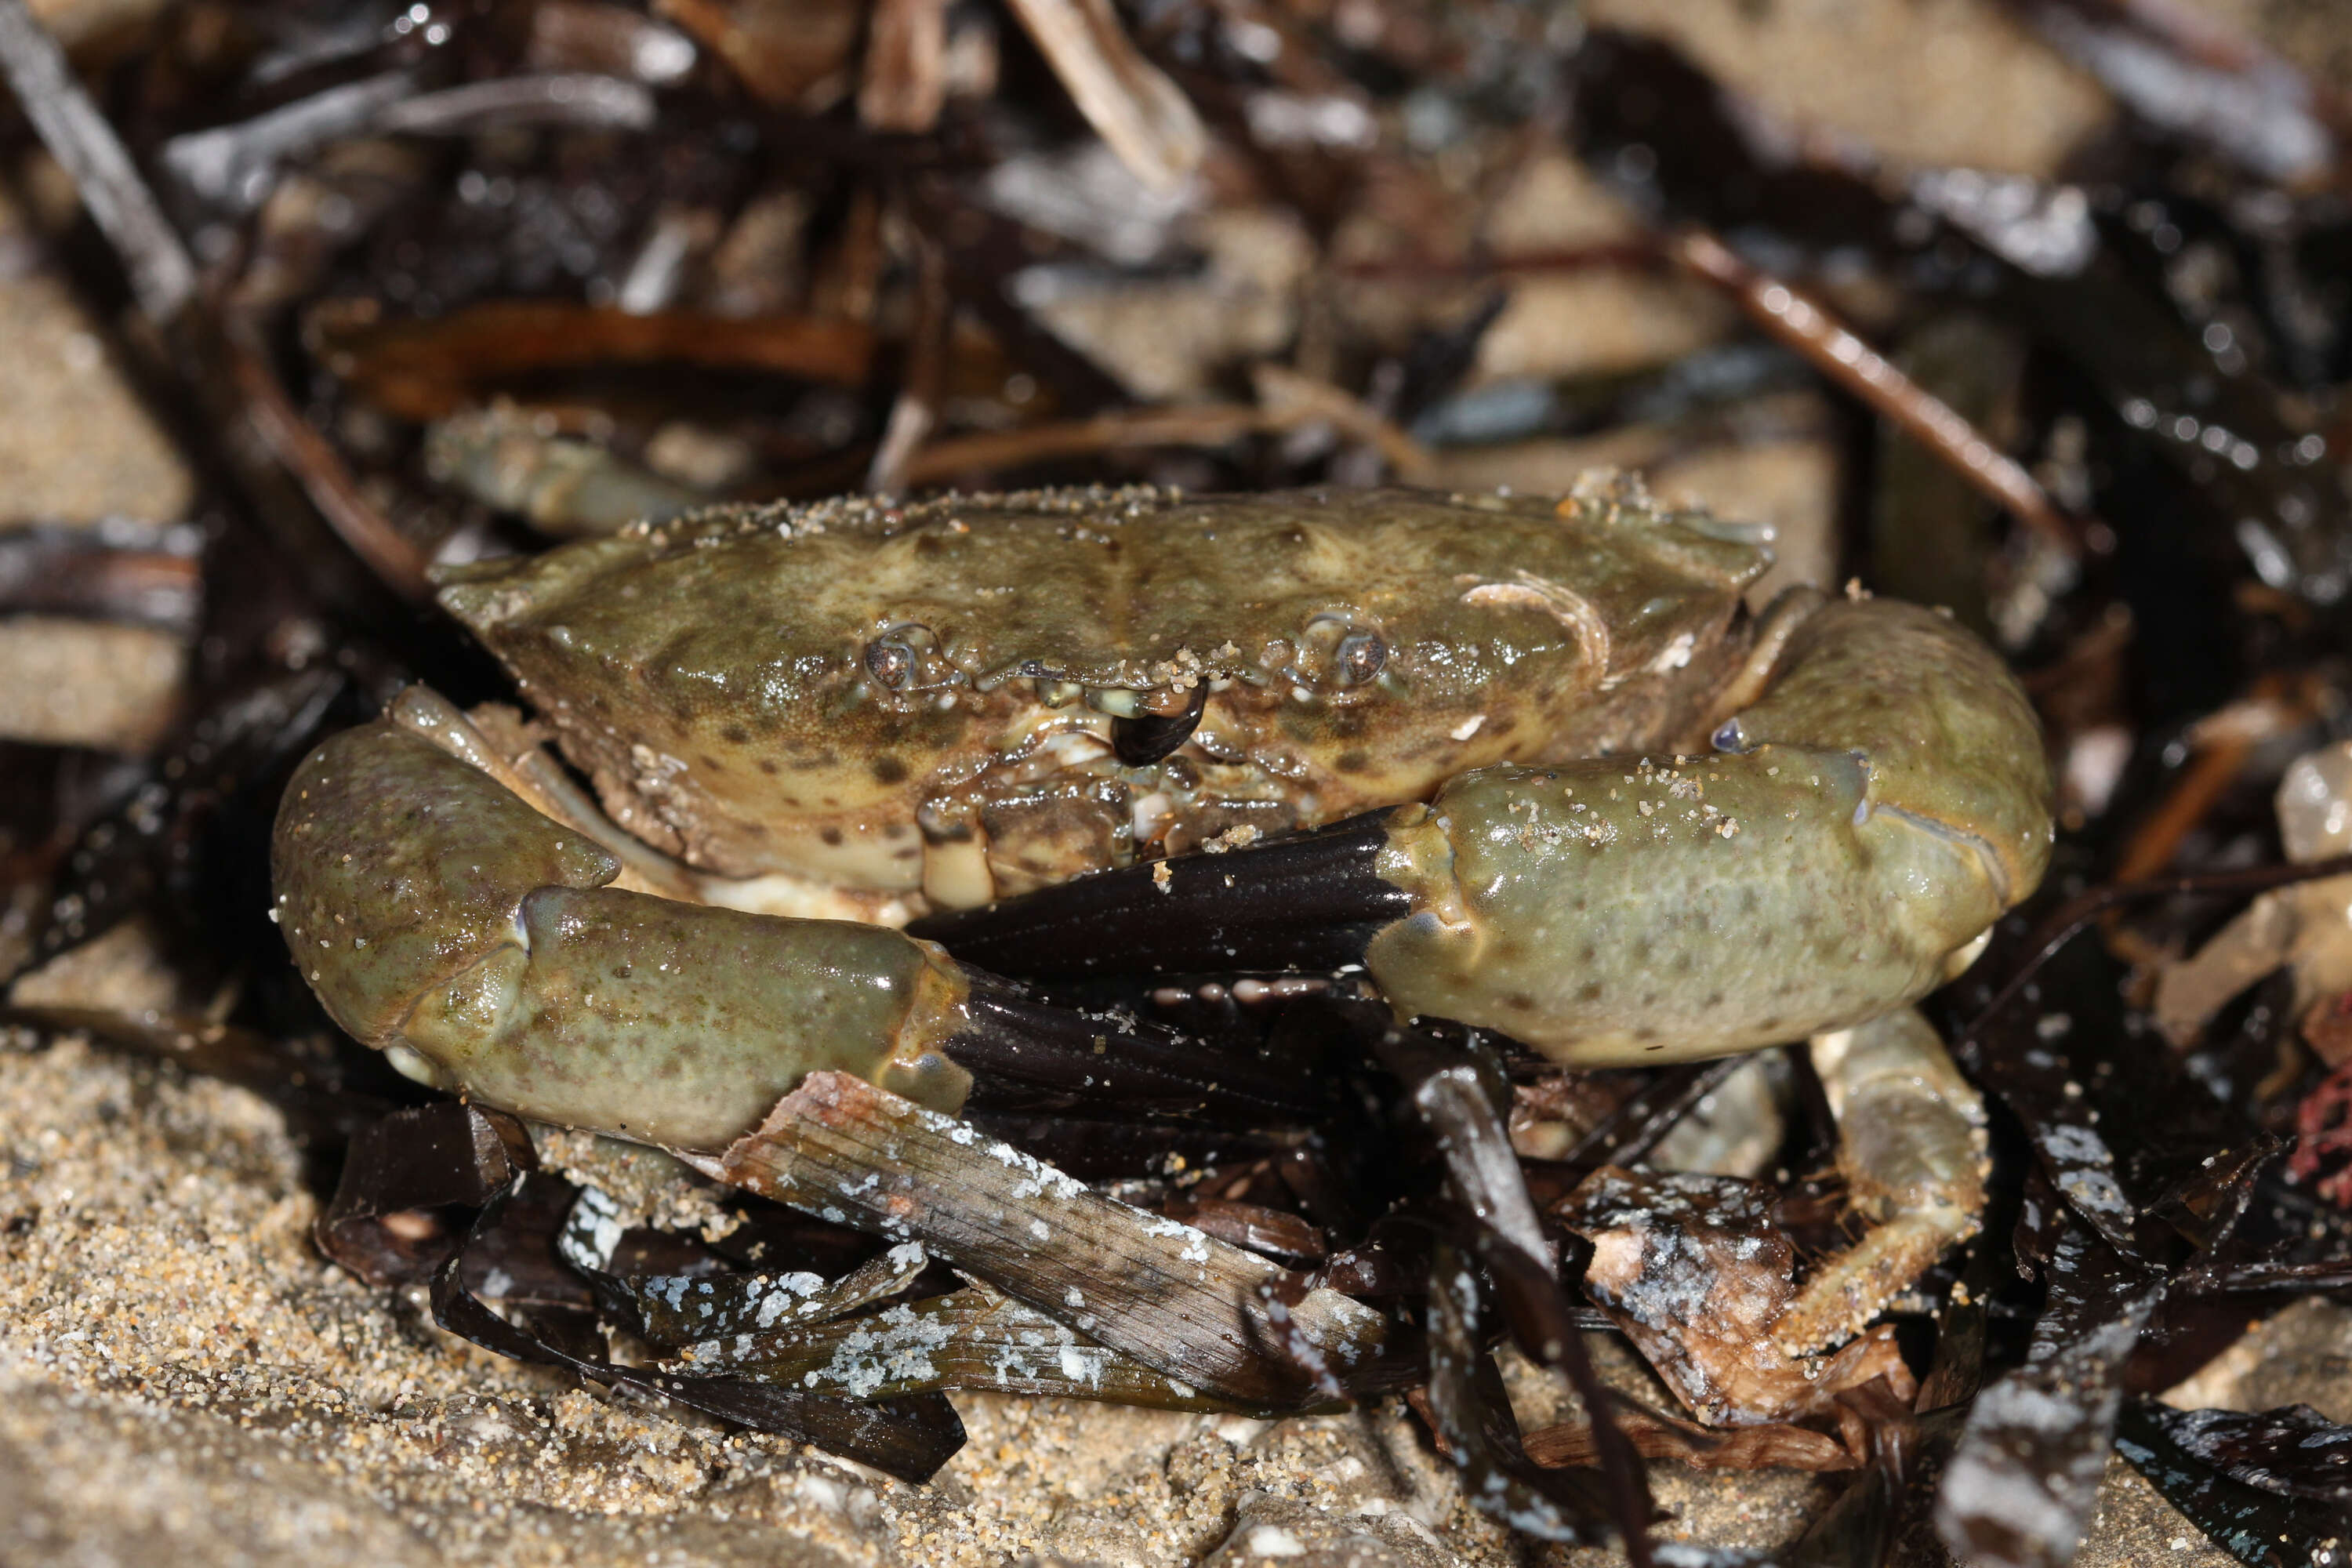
point(1546, 1326)
point(678, 1315)
point(1202, 1312)
point(2293, 1451)
point(1102, 1150)
point(1307, 903)
point(2081, 1093)
point(910, 1439)
point(138, 855)
point(1882, 1516)
point(1457, 1090)
point(1277, 1233)
point(973, 1339)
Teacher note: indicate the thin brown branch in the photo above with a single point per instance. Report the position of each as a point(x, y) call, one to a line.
point(2222, 744)
point(320, 470)
point(1807, 327)
point(1132, 105)
point(1291, 400)
point(424, 369)
point(1197, 424)
point(162, 276)
point(917, 410)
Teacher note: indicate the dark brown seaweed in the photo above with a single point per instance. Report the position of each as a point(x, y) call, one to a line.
point(908, 1438)
point(2261, 1526)
point(2019, 1489)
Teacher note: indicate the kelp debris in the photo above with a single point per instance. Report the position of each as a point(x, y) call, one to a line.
point(1200, 1311)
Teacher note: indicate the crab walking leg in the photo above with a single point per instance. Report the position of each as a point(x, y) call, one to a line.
point(1911, 1147)
point(1855, 830)
point(444, 920)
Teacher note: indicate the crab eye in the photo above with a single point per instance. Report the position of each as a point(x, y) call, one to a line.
point(890, 661)
point(1336, 652)
point(1732, 736)
point(1359, 657)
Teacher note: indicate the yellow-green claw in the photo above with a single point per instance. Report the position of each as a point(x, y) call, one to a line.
point(1866, 822)
point(444, 920)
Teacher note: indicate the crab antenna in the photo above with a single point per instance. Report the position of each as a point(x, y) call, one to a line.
point(1305, 903)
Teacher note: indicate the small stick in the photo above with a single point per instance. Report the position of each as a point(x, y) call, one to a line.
point(163, 280)
point(424, 369)
point(1144, 117)
point(1805, 326)
point(1193, 425)
point(319, 468)
point(917, 410)
point(2223, 741)
point(1291, 400)
point(162, 276)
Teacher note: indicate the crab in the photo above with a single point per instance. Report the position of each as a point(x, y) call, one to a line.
point(1528, 766)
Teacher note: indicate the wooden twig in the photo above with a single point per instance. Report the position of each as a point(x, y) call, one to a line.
point(916, 412)
point(1291, 400)
point(905, 79)
point(2221, 744)
point(1132, 105)
point(1809, 329)
point(1191, 425)
point(320, 470)
point(162, 276)
point(424, 369)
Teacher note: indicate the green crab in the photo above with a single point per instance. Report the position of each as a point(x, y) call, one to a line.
point(1532, 765)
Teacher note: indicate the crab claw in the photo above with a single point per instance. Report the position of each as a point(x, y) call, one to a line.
point(1852, 836)
point(450, 922)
